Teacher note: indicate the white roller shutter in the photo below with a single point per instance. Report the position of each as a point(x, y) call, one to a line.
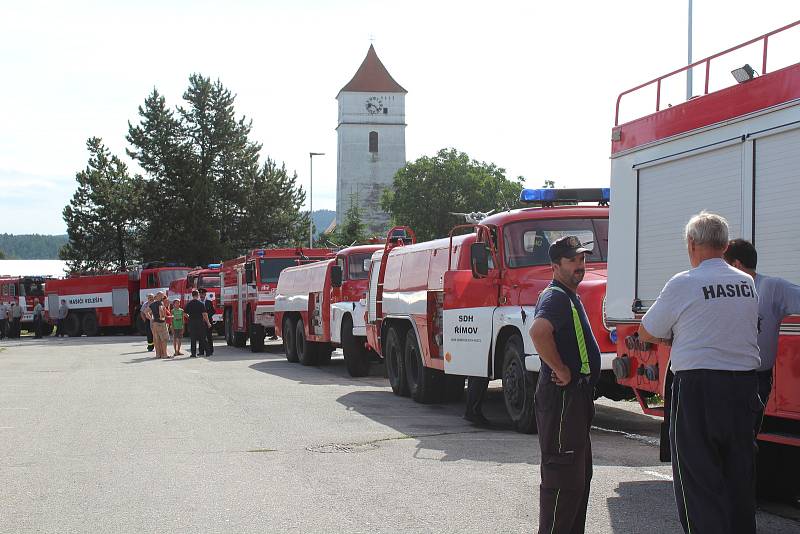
point(670, 194)
point(777, 204)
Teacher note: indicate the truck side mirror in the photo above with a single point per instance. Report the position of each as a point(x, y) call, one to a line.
point(336, 276)
point(479, 259)
point(248, 273)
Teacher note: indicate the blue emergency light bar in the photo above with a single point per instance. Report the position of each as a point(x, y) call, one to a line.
point(214, 265)
point(601, 195)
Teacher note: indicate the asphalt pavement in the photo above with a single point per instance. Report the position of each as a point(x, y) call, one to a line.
point(97, 436)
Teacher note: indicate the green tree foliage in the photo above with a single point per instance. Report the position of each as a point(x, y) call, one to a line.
point(32, 246)
point(208, 198)
point(428, 190)
point(2, 255)
point(102, 215)
point(353, 229)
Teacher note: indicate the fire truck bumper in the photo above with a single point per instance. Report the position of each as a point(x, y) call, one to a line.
point(532, 362)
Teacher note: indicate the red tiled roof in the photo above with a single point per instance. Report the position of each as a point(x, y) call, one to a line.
point(372, 77)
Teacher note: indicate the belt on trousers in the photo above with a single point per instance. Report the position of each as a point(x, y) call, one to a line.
point(715, 372)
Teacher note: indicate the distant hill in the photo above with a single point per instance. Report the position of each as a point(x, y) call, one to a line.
point(31, 246)
point(322, 218)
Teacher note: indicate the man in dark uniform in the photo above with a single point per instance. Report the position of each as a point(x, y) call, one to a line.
point(564, 403)
point(209, 306)
point(709, 314)
point(198, 322)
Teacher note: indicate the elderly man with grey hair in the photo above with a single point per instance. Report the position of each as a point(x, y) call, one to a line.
point(709, 314)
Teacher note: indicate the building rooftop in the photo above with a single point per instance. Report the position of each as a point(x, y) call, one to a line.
point(372, 77)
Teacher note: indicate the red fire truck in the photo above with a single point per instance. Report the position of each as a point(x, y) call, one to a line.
point(321, 306)
point(25, 290)
point(207, 278)
point(463, 306)
point(736, 152)
point(108, 302)
point(248, 291)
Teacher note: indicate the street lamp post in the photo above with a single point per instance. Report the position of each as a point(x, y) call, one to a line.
point(311, 198)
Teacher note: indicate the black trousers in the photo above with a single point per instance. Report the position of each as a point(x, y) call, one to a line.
point(764, 390)
point(148, 329)
point(197, 334)
point(16, 328)
point(210, 339)
point(37, 327)
point(476, 391)
point(713, 450)
point(3, 328)
point(564, 416)
point(59, 327)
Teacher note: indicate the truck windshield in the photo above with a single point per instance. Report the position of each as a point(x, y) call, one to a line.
point(165, 277)
point(526, 243)
point(32, 288)
point(355, 266)
point(209, 281)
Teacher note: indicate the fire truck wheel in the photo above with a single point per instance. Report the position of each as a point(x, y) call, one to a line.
point(519, 387)
point(453, 388)
point(141, 328)
point(423, 383)
point(356, 357)
point(228, 327)
point(240, 339)
point(257, 335)
point(287, 334)
point(395, 366)
point(72, 325)
point(89, 323)
point(323, 353)
point(306, 354)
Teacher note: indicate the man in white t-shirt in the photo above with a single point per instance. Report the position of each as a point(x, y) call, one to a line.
point(710, 315)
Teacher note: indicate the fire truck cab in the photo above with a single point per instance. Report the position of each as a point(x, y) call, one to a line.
point(248, 291)
point(207, 278)
point(463, 306)
point(153, 277)
point(321, 306)
point(24, 291)
point(735, 152)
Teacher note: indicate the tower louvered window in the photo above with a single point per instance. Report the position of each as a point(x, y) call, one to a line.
point(373, 142)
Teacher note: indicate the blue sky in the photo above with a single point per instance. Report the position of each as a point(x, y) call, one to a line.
point(527, 85)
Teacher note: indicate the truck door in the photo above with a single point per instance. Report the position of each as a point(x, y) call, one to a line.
point(469, 305)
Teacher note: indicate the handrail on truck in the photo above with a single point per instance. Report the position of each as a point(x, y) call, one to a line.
point(707, 61)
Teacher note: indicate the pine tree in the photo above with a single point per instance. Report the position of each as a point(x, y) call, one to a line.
point(103, 214)
point(353, 229)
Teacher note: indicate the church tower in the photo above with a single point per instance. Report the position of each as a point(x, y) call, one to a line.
point(371, 141)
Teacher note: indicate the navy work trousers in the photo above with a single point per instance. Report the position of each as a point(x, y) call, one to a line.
point(564, 416)
point(712, 441)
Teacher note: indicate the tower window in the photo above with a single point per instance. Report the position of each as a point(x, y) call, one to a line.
point(373, 142)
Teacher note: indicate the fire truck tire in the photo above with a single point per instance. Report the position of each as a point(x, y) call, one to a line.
point(72, 325)
point(424, 383)
point(257, 335)
point(323, 352)
point(356, 357)
point(240, 339)
point(453, 388)
point(141, 328)
point(89, 323)
point(228, 327)
point(395, 366)
point(519, 387)
point(287, 334)
point(306, 354)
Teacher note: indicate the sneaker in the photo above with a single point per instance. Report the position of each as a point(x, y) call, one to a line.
point(192, 356)
point(478, 419)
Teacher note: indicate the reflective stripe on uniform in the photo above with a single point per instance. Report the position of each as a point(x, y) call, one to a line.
point(576, 321)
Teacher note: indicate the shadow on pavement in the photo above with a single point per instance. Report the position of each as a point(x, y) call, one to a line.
point(643, 506)
point(333, 373)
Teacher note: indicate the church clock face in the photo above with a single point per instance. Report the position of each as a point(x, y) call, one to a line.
point(374, 105)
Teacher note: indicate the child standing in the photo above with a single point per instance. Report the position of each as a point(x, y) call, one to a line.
point(177, 326)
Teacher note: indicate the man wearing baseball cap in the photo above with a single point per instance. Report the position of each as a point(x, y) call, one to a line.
point(570, 367)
